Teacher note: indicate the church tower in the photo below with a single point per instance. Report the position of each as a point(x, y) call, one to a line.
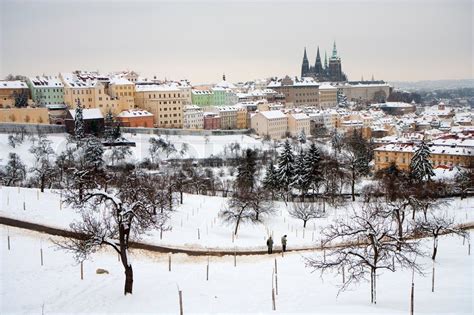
point(318, 66)
point(305, 65)
point(335, 67)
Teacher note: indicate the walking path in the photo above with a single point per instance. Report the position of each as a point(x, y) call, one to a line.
point(165, 249)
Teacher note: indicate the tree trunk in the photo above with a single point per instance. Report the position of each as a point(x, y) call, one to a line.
point(42, 183)
point(304, 223)
point(237, 226)
point(435, 247)
point(181, 197)
point(128, 280)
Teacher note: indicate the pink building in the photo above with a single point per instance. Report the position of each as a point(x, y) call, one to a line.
point(212, 121)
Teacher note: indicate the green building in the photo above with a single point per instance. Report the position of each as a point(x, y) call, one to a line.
point(46, 90)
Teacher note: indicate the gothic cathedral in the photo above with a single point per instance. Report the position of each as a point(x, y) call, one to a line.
point(324, 72)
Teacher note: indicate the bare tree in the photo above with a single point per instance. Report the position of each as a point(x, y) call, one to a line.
point(15, 171)
point(239, 210)
point(436, 225)
point(261, 203)
point(376, 250)
point(306, 211)
point(113, 219)
point(43, 169)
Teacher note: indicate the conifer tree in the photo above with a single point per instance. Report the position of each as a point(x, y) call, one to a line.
point(270, 182)
point(420, 166)
point(286, 171)
point(246, 171)
point(312, 166)
point(79, 131)
point(300, 178)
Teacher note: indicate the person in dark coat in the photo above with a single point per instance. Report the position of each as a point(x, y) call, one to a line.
point(270, 244)
point(283, 243)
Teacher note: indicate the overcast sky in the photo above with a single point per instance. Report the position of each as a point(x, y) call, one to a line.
point(393, 40)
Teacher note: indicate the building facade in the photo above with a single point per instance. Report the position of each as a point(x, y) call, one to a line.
point(164, 101)
point(298, 123)
point(272, 124)
point(193, 117)
point(46, 90)
point(135, 118)
point(10, 89)
point(304, 92)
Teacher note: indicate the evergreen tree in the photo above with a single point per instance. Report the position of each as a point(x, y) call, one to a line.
point(79, 131)
point(420, 166)
point(109, 127)
point(302, 137)
point(286, 173)
point(270, 181)
point(301, 178)
point(246, 171)
point(312, 166)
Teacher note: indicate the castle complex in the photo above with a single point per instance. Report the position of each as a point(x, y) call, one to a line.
point(331, 71)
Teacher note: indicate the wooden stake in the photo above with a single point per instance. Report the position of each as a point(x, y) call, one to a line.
point(412, 295)
point(82, 271)
point(41, 255)
point(235, 258)
point(169, 262)
point(24, 206)
point(199, 234)
point(207, 269)
point(180, 293)
point(273, 300)
point(276, 284)
point(118, 256)
point(276, 266)
point(433, 278)
point(8, 240)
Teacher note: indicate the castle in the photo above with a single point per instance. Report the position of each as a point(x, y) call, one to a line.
point(328, 72)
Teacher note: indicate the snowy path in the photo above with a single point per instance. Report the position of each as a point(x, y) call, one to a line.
point(165, 249)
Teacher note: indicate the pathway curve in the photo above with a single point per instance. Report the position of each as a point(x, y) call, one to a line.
point(166, 249)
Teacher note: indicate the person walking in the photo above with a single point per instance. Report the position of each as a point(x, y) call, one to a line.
point(270, 244)
point(283, 243)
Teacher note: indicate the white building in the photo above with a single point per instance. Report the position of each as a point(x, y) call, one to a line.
point(273, 124)
point(193, 117)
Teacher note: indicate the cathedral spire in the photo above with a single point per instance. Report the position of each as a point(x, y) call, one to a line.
point(305, 64)
point(334, 50)
point(318, 66)
point(325, 59)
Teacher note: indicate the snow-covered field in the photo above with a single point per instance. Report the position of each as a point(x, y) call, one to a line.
point(198, 146)
point(200, 212)
point(26, 287)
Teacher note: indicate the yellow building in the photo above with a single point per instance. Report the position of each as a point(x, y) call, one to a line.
point(297, 123)
point(441, 155)
point(90, 91)
point(8, 90)
point(124, 91)
point(242, 118)
point(327, 96)
point(164, 101)
point(25, 115)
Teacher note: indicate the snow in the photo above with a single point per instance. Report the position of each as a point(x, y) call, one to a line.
point(300, 116)
point(134, 113)
point(157, 87)
point(88, 113)
point(273, 114)
point(56, 287)
point(46, 82)
point(13, 85)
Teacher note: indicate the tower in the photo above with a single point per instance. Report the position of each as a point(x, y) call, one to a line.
point(335, 68)
point(318, 66)
point(305, 64)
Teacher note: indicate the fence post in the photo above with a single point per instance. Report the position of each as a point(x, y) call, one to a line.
point(169, 262)
point(180, 293)
point(82, 271)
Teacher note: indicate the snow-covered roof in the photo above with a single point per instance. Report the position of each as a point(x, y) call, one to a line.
point(157, 87)
point(134, 113)
point(46, 81)
point(13, 85)
point(88, 113)
point(273, 114)
point(435, 149)
point(225, 85)
point(299, 116)
point(201, 92)
point(119, 81)
point(71, 80)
